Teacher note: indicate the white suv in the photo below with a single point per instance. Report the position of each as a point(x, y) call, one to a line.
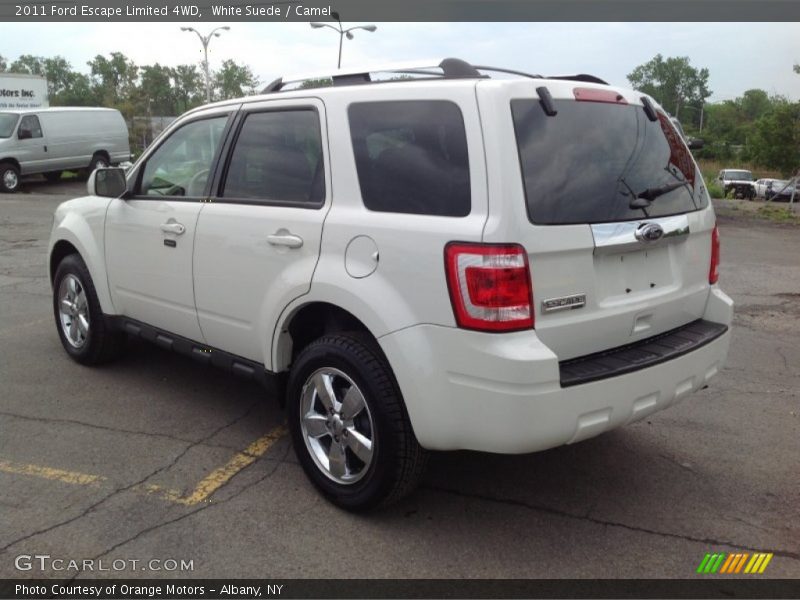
point(437, 263)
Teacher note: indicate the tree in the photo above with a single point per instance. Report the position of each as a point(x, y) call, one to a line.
point(776, 142)
point(59, 74)
point(233, 81)
point(188, 85)
point(156, 89)
point(115, 77)
point(29, 64)
point(78, 91)
point(673, 82)
point(3, 63)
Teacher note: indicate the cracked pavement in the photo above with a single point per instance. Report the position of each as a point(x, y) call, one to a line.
point(717, 472)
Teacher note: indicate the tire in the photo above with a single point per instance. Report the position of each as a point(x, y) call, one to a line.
point(53, 176)
point(99, 161)
point(90, 344)
point(393, 466)
point(9, 178)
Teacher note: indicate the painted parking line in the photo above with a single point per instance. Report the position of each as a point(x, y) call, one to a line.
point(241, 460)
point(200, 493)
point(71, 477)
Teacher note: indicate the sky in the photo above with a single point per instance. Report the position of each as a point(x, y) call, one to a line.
point(739, 56)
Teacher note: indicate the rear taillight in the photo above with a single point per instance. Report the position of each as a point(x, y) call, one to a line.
point(713, 272)
point(490, 286)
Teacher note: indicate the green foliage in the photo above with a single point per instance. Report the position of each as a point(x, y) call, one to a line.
point(776, 139)
point(316, 83)
point(673, 82)
point(714, 190)
point(234, 81)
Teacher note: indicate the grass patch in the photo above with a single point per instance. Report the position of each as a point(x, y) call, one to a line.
point(778, 214)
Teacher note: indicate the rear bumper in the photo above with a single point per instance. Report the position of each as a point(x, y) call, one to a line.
point(502, 393)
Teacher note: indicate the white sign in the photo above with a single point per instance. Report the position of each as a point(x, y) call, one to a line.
point(23, 91)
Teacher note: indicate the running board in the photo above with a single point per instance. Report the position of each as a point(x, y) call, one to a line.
point(274, 383)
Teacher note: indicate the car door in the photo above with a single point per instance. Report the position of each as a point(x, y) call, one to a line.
point(258, 238)
point(32, 145)
point(150, 235)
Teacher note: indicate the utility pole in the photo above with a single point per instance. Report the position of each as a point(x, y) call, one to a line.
point(342, 32)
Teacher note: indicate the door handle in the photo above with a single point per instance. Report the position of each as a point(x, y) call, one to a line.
point(284, 238)
point(175, 228)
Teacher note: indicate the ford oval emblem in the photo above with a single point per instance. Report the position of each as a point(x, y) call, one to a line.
point(649, 232)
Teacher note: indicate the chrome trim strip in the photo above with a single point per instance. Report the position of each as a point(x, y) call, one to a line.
point(611, 238)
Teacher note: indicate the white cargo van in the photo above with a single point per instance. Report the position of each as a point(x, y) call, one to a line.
point(51, 140)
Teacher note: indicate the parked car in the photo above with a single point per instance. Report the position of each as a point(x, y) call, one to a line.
point(415, 264)
point(780, 190)
point(52, 140)
point(738, 182)
point(762, 186)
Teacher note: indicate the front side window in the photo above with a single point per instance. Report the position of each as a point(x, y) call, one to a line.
point(181, 165)
point(411, 157)
point(30, 123)
point(277, 158)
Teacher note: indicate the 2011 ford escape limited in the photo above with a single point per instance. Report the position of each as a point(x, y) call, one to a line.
point(450, 261)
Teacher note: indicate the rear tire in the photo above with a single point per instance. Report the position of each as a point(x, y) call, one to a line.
point(99, 161)
point(9, 178)
point(354, 439)
point(82, 329)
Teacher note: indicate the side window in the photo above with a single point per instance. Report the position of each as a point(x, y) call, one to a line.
point(411, 157)
point(278, 158)
point(180, 166)
point(30, 123)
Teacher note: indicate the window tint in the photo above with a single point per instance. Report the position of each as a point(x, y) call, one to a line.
point(181, 165)
point(31, 123)
point(278, 157)
point(586, 163)
point(411, 157)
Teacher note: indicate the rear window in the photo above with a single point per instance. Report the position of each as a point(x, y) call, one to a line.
point(589, 161)
point(411, 157)
point(738, 175)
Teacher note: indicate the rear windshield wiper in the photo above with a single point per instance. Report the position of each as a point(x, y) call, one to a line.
point(644, 198)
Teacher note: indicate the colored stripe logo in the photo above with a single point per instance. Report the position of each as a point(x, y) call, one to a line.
point(733, 563)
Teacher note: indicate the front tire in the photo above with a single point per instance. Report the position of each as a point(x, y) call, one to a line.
point(349, 425)
point(79, 319)
point(9, 178)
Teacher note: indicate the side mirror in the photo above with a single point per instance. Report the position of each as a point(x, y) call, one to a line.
point(107, 183)
point(25, 134)
point(695, 143)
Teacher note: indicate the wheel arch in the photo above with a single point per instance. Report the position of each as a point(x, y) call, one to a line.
point(74, 236)
point(13, 161)
point(303, 323)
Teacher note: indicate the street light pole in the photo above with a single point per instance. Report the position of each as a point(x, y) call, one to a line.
point(342, 32)
point(205, 40)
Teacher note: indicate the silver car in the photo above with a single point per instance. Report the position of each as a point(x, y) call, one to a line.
point(51, 140)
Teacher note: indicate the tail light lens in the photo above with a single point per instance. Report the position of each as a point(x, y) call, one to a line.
point(490, 286)
point(713, 272)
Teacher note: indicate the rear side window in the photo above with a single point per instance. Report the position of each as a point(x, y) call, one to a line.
point(589, 161)
point(278, 158)
point(411, 157)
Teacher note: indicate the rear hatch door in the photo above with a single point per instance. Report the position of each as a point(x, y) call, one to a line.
point(609, 204)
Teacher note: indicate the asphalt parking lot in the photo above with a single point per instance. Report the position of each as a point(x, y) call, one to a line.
point(155, 457)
